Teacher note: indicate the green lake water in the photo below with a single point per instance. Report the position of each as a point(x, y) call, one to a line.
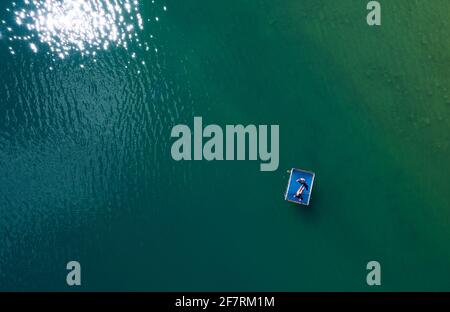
point(86, 172)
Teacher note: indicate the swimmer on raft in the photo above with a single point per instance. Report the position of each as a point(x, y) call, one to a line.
point(303, 186)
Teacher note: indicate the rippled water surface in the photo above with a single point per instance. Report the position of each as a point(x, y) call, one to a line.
point(90, 91)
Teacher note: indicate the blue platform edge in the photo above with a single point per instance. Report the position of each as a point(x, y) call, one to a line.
point(293, 186)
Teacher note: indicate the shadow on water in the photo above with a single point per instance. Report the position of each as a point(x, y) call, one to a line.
point(310, 213)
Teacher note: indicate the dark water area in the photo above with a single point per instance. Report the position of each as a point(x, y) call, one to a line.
point(86, 172)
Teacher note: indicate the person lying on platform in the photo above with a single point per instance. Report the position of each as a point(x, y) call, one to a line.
point(302, 188)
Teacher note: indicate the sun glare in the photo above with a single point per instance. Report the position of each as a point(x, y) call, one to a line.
point(85, 27)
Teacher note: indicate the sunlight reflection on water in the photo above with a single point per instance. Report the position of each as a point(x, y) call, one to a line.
point(61, 28)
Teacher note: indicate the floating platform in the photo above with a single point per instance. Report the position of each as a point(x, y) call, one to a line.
point(300, 186)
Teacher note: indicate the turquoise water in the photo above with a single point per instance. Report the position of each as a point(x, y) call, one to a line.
point(86, 172)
